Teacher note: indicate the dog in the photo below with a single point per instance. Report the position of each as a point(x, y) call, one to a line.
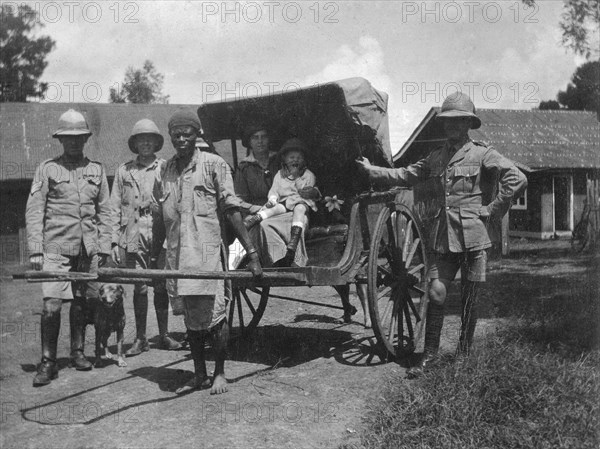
point(109, 316)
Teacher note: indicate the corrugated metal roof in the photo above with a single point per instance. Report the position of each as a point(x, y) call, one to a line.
point(26, 133)
point(534, 139)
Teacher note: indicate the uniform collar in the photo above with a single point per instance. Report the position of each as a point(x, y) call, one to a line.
point(61, 159)
point(139, 165)
point(457, 151)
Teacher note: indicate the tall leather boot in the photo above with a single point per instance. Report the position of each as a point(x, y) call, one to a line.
point(50, 328)
point(78, 322)
point(433, 332)
point(469, 293)
point(140, 310)
point(200, 378)
point(288, 259)
point(161, 304)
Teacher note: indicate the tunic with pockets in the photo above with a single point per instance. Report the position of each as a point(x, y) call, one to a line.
point(191, 205)
point(473, 184)
point(133, 204)
point(69, 208)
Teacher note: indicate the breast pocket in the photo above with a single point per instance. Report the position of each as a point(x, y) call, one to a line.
point(205, 203)
point(92, 185)
point(128, 193)
point(58, 187)
point(466, 177)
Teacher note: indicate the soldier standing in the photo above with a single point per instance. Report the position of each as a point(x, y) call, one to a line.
point(474, 185)
point(68, 228)
point(133, 205)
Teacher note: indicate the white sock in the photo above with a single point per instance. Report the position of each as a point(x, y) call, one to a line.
point(298, 223)
point(262, 214)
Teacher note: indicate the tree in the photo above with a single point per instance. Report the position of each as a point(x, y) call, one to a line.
point(549, 105)
point(140, 86)
point(583, 92)
point(580, 25)
point(22, 57)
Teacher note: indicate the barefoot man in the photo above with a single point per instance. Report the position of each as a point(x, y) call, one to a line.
point(194, 191)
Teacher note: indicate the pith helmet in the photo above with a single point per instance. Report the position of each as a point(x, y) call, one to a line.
point(459, 105)
point(72, 123)
point(145, 126)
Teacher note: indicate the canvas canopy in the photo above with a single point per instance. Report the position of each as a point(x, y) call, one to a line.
point(338, 121)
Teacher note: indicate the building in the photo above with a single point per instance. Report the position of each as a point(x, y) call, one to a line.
point(557, 150)
point(26, 140)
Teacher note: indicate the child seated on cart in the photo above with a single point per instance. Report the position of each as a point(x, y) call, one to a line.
point(284, 196)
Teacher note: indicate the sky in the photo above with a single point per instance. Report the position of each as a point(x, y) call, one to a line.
point(501, 53)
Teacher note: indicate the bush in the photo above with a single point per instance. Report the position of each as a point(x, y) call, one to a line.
point(534, 384)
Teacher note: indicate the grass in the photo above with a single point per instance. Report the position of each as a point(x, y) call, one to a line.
point(534, 384)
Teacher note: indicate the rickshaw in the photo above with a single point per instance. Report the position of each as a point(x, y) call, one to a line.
point(365, 236)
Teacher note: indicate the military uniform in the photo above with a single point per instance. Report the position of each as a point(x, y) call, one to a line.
point(68, 221)
point(467, 197)
point(473, 186)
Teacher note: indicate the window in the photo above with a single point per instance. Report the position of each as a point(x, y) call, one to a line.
point(521, 202)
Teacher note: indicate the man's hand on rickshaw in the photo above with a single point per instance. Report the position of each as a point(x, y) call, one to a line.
point(310, 193)
point(153, 265)
point(103, 259)
point(364, 164)
point(254, 264)
point(36, 261)
point(115, 254)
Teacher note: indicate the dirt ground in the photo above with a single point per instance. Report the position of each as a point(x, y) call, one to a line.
point(305, 380)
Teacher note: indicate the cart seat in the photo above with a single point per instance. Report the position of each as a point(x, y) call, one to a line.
point(325, 244)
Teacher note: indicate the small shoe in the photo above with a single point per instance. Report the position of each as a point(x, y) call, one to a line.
point(252, 220)
point(169, 343)
point(46, 373)
point(139, 345)
point(79, 362)
point(419, 369)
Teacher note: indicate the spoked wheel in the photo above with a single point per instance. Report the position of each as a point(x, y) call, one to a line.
point(397, 281)
point(247, 308)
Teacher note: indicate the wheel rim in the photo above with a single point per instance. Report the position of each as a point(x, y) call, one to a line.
point(397, 281)
point(247, 308)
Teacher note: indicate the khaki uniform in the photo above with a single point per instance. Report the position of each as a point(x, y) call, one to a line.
point(68, 218)
point(133, 205)
point(472, 184)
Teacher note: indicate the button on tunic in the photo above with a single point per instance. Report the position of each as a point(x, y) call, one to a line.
point(68, 206)
point(191, 205)
point(471, 185)
point(132, 191)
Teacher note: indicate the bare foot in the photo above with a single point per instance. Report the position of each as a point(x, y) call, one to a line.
point(367, 323)
point(195, 383)
point(107, 354)
point(219, 385)
point(122, 363)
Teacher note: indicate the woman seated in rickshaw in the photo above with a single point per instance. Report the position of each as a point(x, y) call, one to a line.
point(253, 180)
point(284, 195)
